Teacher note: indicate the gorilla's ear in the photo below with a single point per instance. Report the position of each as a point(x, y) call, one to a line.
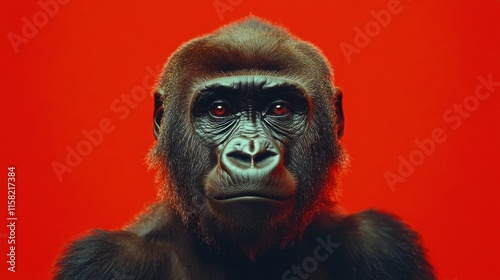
point(337, 94)
point(157, 114)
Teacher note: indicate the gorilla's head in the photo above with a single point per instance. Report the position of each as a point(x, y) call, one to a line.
point(248, 125)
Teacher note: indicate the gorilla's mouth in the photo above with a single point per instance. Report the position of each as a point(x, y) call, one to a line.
point(250, 205)
point(277, 187)
point(250, 196)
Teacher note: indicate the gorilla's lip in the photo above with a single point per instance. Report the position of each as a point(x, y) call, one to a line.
point(246, 207)
point(250, 196)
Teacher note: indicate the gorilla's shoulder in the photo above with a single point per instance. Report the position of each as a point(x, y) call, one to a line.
point(377, 245)
point(108, 255)
point(120, 254)
point(375, 225)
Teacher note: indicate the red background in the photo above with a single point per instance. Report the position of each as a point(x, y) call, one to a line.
point(64, 79)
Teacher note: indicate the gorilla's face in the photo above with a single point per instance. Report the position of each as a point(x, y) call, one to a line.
point(248, 121)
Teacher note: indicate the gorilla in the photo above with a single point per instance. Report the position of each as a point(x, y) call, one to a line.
point(248, 124)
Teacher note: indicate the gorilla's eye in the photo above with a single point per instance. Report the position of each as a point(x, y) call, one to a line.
point(219, 109)
point(279, 108)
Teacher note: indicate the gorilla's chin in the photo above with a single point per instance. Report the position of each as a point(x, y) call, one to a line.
point(248, 224)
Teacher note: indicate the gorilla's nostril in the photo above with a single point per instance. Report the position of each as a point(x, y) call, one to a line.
point(263, 156)
point(240, 157)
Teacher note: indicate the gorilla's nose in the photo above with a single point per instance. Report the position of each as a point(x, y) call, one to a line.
point(243, 154)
